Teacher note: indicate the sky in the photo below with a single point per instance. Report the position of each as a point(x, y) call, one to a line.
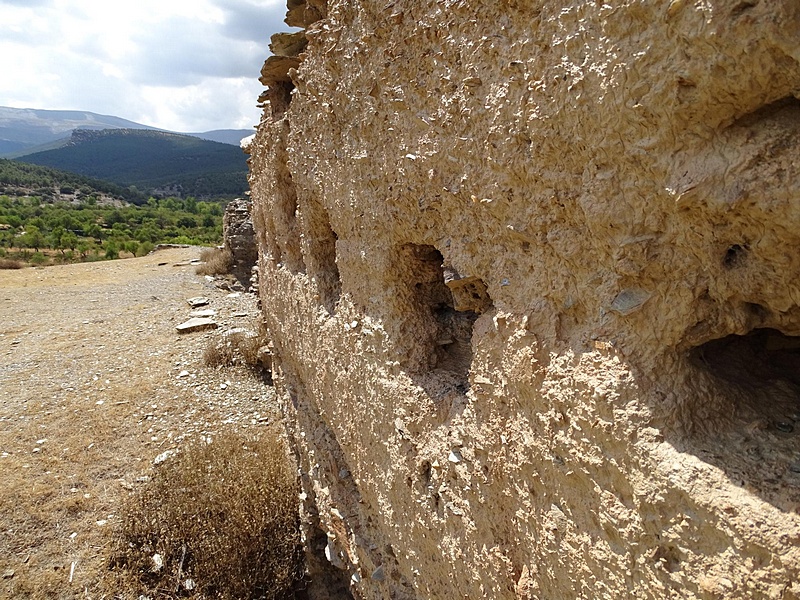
point(182, 65)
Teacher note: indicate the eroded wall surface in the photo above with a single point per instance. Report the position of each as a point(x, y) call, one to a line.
point(531, 272)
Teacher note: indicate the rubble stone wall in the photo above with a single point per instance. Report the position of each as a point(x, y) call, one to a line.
point(531, 272)
point(240, 239)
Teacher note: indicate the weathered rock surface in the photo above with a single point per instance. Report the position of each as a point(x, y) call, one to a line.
point(531, 274)
point(197, 301)
point(240, 239)
point(196, 324)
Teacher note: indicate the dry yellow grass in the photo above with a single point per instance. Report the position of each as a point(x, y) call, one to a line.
point(9, 263)
point(242, 347)
point(218, 520)
point(216, 261)
point(60, 494)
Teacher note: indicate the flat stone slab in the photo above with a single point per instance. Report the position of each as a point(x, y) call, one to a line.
point(196, 324)
point(198, 301)
point(203, 313)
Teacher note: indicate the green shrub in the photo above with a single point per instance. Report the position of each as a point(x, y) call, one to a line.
point(145, 248)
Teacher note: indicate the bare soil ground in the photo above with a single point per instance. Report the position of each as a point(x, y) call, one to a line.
point(95, 382)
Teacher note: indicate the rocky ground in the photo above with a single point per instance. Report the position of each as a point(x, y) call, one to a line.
point(95, 383)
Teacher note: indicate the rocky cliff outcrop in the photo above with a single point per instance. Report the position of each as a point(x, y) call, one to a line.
point(531, 273)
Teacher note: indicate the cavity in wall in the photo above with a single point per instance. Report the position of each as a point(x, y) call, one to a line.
point(319, 248)
point(448, 304)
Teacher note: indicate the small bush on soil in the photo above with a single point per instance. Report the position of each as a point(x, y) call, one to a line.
point(216, 261)
point(241, 347)
point(7, 263)
point(219, 518)
point(218, 353)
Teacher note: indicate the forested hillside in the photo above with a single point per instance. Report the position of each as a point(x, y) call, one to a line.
point(152, 161)
point(18, 178)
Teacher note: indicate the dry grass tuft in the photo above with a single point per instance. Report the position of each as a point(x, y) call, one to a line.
point(219, 518)
point(218, 353)
point(8, 263)
point(247, 347)
point(216, 261)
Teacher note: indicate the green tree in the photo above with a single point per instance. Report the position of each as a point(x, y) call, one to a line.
point(145, 248)
point(69, 240)
point(131, 246)
point(84, 247)
point(187, 222)
point(95, 231)
point(54, 239)
point(112, 249)
point(33, 237)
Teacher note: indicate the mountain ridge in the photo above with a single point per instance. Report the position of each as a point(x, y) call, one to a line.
point(23, 129)
point(154, 161)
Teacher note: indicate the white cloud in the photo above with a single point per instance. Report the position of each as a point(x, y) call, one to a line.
point(185, 65)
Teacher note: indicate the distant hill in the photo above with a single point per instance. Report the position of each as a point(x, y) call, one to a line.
point(21, 178)
point(22, 128)
point(151, 161)
point(225, 136)
point(25, 129)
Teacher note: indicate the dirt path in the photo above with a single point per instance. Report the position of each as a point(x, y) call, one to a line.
point(94, 383)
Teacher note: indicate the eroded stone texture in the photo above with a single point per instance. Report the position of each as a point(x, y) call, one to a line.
point(531, 274)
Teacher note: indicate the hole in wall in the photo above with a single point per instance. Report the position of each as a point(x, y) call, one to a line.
point(739, 410)
point(285, 212)
point(324, 576)
point(789, 104)
point(321, 255)
point(735, 256)
point(264, 225)
point(743, 7)
point(758, 372)
point(280, 96)
point(454, 302)
point(668, 557)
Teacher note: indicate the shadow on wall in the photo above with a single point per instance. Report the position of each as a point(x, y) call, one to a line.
point(743, 403)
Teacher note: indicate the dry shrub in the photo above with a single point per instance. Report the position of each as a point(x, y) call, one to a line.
point(216, 261)
point(218, 353)
point(240, 347)
point(222, 515)
point(8, 263)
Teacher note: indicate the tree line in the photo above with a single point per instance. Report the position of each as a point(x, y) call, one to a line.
point(39, 231)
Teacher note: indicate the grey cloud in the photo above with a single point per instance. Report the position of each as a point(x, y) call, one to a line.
point(248, 21)
point(220, 60)
point(178, 52)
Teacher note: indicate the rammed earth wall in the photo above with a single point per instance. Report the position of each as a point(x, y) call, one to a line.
point(532, 276)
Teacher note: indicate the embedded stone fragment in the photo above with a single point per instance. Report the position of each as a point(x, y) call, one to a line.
point(196, 324)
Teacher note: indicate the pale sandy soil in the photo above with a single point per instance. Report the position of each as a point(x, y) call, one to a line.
point(92, 388)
